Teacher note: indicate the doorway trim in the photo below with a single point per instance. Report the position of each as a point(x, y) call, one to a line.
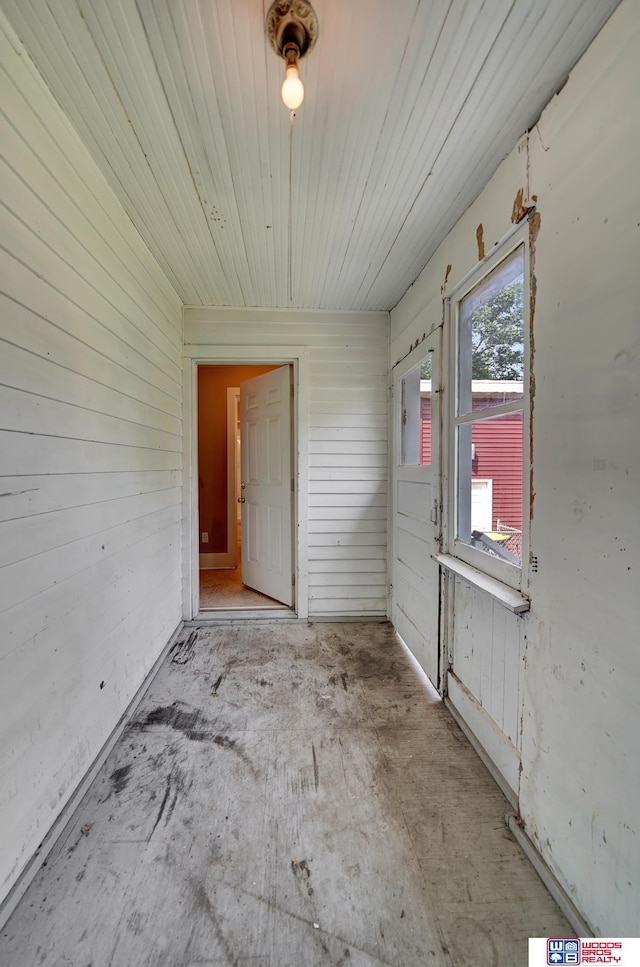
point(233, 508)
point(298, 358)
point(229, 557)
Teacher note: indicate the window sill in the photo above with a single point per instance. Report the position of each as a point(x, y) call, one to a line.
point(513, 600)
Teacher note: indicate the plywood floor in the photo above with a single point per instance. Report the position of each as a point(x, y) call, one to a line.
point(284, 797)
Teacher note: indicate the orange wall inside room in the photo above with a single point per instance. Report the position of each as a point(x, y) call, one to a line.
point(213, 382)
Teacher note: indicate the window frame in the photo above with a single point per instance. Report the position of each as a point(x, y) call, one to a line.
point(414, 360)
point(511, 575)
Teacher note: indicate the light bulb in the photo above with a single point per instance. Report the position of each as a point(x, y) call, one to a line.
point(292, 88)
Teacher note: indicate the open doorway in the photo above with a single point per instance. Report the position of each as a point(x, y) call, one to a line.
point(245, 494)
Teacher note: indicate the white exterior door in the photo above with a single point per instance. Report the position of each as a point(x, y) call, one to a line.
point(266, 494)
point(415, 576)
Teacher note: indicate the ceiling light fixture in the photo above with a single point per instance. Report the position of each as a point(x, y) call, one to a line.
point(292, 29)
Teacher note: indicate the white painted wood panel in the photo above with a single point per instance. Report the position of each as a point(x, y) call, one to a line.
point(48, 671)
point(347, 459)
point(70, 261)
point(23, 496)
point(28, 537)
point(25, 413)
point(582, 679)
point(327, 556)
point(415, 526)
point(47, 340)
point(180, 105)
point(90, 461)
point(57, 601)
point(28, 370)
point(30, 454)
point(488, 656)
point(69, 738)
point(561, 683)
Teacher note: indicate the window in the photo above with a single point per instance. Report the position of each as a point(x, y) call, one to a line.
point(415, 436)
point(488, 419)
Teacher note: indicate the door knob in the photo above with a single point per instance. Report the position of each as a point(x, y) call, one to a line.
point(241, 500)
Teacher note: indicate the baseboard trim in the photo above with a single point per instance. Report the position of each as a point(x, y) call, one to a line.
point(555, 888)
point(230, 616)
point(357, 619)
point(227, 616)
point(32, 867)
point(217, 562)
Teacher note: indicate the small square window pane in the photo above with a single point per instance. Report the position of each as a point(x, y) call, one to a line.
point(416, 415)
point(490, 485)
point(491, 338)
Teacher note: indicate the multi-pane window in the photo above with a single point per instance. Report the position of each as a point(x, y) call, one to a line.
point(489, 412)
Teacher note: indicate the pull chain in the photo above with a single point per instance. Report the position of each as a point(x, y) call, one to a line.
point(290, 244)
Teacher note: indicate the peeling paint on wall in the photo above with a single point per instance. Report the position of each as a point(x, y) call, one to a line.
point(534, 229)
point(582, 611)
point(480, 238)
point(520, 210)
point(414, 345)
point(446, 279)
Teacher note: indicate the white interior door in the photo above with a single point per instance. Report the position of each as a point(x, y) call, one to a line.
point(267, 490)
point(416, 508)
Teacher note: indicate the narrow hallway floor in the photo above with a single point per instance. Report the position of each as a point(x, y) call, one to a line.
point(223, 589)
point(286, 796)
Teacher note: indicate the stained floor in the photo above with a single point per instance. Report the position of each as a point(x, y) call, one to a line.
point(286, 796)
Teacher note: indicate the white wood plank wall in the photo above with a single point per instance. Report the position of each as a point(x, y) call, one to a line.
point(488, 648)
point(490, 666)
point(90, 461)
point(348, 442)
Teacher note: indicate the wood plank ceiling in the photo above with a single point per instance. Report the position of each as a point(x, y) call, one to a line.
point(410, 105)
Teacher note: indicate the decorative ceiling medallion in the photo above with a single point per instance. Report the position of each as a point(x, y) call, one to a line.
point(291, 22)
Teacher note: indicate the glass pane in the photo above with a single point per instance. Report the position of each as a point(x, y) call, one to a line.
point(416, 415)
point(491, 338)
point(490, 485)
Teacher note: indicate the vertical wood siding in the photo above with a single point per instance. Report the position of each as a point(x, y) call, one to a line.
point(90, 462)
point(348, 442)
point(491, 668)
